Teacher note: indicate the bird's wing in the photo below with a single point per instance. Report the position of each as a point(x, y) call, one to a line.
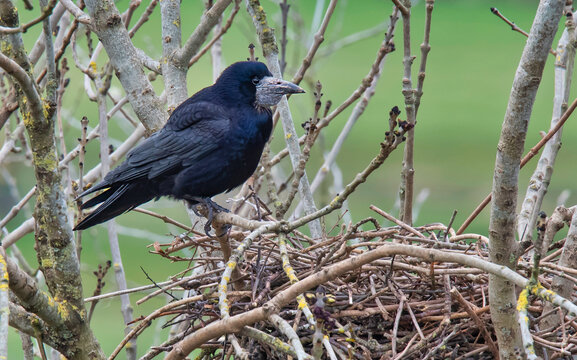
point(194, 130)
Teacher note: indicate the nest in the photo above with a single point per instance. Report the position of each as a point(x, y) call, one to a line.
point(394, 307)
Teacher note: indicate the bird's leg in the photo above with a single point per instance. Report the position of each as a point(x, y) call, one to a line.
point(211, 208)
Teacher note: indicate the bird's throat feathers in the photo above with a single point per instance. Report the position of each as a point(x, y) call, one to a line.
point(262, 109)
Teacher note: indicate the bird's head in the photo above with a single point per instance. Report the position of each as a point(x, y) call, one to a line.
point(269, 90)
point(256, 84)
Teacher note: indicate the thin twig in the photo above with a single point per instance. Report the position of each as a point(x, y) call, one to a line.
point(480, 324)
point(532, 152)
point(217, 36)
point(406, 187)
point(541, 177)
point(46, 12)
point(270, 52)
point(387, 46)
point(514, 26)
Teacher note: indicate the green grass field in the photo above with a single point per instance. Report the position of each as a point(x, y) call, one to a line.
point(470, 70)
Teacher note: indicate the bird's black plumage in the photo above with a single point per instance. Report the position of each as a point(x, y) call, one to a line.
point(211, 143)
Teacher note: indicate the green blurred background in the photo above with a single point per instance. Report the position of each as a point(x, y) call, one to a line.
point(469, 74)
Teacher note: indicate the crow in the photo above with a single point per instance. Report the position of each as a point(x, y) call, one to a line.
point(211, 144)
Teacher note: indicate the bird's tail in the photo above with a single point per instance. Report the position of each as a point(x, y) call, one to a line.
point(115, 200)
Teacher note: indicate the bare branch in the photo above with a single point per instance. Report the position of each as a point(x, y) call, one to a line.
point(425, 48)
point(567, 261)
point(174, 74)
point(28, 86)
point(46, 12)
point(396, 221)
point(387, 46)
point(514, 26)
point(9, 144)
point(288, 331)
point(505, 182)
point(25, 228)
point(144, 17)
point(268, 339)
point(532, 152)
point(4, 309)
point(319, 37)
point(209, 19)
point(353, 39)
point(270, 52)
point(406, 191)
point(34, 299)
point(539, 182)
point(53, 231)
point(146, 322)
point(119, 274)
point(402, 8)
point(29, 325)
point(125, 60)
point(80, 15)
point(480, 324)
point(222, 30)
point(16, 209)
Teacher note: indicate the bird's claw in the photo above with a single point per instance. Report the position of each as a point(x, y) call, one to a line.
point(225, 228)
point(212, 208)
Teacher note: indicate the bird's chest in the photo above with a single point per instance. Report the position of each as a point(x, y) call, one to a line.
point(247, 143)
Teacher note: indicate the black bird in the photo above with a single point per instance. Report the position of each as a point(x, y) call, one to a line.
point(211, 143)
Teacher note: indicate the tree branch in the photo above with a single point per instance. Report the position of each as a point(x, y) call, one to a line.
point(387, 46)
point(46, 11)
point(80, 15)
point(505, 182)
point(221, 31)
point(208, 21)
point(539, 182)
point(34, 299)
point(125, 60)
point(173, 72)
point(54, 241)
point(4, 308)
point(270, 52)
point(406, 191)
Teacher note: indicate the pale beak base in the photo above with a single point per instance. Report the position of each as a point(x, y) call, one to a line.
point(270, 90)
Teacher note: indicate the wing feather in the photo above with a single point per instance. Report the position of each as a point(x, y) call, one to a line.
point(186, 139)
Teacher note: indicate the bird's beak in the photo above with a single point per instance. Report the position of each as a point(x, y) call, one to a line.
point(270, 90)
point(279, 86)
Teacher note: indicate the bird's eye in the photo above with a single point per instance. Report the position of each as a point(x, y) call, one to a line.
point(255, 80)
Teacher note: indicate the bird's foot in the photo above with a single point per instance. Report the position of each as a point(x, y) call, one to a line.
point(212, 208)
